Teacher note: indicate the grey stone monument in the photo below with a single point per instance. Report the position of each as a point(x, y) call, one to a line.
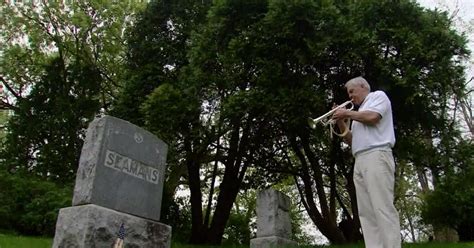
point(273, 221)
point(118, 190)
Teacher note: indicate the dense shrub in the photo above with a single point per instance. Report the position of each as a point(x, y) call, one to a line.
point(452, 202)
point(29, 205)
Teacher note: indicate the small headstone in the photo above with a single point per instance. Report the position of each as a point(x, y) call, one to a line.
point(273, 221)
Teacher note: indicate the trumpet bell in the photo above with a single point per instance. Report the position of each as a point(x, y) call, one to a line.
point(311, 123)
point(323, 119)
point(326, 118)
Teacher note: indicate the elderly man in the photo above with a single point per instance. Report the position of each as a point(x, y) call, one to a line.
point(371, 139)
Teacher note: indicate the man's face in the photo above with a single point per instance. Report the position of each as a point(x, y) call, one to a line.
point(357, 93)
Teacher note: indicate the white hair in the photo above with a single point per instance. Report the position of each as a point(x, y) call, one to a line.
point(358, 81)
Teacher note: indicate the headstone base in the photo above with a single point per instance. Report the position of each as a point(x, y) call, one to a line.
point(94, 226)
point(272, 242)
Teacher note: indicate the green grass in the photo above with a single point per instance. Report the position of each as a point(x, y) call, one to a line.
point(14, 241)
point(426, 245)
point(440, 245)
point(421, 245)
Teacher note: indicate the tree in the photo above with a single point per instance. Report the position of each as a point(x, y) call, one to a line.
point(409, 199)
point(274, 70)
point(209, 137)
point(156, 52)
point(92, 31)
point(74, 49)
point(463, 103)
point(447, 205)
point(234, 105)
point(237, 118)
point(45, 134)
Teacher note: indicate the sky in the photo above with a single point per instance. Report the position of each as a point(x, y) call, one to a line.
point(464, 9)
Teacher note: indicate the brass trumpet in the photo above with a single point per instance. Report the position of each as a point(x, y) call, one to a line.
point(326, 118)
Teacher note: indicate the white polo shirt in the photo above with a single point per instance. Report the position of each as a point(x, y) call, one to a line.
point(380, 135)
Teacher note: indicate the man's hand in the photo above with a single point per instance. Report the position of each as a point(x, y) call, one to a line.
point(341, 114)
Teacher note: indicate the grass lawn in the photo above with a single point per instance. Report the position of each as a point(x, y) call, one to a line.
point(13, 241)
point(421, 245)
point(427, 245)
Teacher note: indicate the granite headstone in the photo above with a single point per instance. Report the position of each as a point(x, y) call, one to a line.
point(273, 221)
point(118, 191)
point(122, 167)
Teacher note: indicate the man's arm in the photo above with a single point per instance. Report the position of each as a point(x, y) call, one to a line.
point(367, 117)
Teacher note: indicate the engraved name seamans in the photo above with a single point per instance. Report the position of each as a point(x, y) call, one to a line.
point(131, 167)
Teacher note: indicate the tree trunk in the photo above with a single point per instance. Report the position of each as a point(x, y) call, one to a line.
point(197, 227)
point(354, 235)
point(169, 190)
point(229, 189)
point(211, 190)
point(324, 220)
point(234, 173)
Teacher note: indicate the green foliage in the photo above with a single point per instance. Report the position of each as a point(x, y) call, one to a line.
point(30, 205)
point(171, 120)
point(91, 31)
point(61, 63)
point(45, 133)
point(178, 216)
point(235, 87)
point(156, 51)
point(241, 226)
point(237, 230)
point(153, 96)
point(408, 202)
point(4, 116)
point(452, 202)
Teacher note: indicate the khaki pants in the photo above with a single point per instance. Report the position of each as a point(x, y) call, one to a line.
point(374, 174)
